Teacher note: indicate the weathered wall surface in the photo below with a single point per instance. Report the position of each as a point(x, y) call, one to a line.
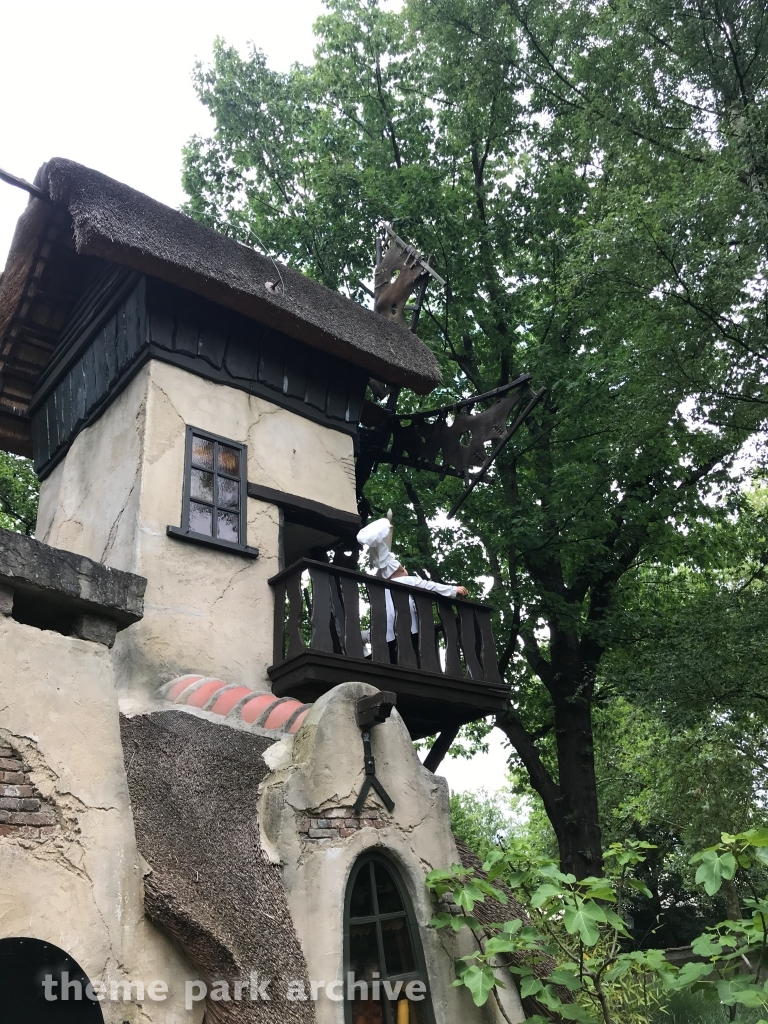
point(90, 502)
point(120, 486)
point(317, 776)
point(70, 874)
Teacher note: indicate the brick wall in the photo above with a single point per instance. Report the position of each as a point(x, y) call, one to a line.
point(24, 814)
point(338, 823)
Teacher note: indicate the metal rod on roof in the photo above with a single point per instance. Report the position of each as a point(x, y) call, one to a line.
point(11, 179)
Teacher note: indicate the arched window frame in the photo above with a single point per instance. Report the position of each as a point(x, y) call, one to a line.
point(376, 857)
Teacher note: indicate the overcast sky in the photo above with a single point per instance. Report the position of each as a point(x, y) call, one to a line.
point(108, 84)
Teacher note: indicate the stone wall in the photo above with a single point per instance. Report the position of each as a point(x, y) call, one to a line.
point(76, 879)
point(24, 811)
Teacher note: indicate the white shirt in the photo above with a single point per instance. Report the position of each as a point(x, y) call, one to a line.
point(444, 589)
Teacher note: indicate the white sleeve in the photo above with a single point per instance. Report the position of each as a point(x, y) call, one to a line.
point(444, 589)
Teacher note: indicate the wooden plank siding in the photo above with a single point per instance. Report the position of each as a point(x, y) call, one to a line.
point(126, 319)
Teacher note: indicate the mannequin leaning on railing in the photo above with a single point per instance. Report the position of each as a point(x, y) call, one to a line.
point(377, 537)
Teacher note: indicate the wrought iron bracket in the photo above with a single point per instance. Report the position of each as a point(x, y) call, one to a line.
point(372, 711)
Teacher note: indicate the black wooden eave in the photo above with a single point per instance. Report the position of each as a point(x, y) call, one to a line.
point(124, 319)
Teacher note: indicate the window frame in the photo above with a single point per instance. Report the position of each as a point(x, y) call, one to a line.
point(374, 857)
point(183, 532)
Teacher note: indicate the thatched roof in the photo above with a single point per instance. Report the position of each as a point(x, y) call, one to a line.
point(91, 216)
point(194, 796)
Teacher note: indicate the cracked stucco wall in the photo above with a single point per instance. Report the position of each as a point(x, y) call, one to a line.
point(120, 486)
point(81, 887)
point(317, 774)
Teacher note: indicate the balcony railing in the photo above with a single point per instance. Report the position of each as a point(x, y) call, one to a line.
point(332, 625)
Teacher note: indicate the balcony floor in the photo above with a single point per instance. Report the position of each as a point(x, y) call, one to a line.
point(428, 703)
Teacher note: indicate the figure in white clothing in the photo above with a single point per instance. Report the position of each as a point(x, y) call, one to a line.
point(377, 537)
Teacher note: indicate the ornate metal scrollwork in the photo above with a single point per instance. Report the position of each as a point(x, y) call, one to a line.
point(452, 440)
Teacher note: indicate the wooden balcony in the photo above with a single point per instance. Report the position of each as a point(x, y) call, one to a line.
point(441, 663)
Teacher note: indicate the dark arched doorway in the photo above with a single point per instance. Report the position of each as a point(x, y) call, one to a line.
point(30, 968)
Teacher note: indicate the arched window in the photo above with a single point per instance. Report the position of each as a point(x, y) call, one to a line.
point(41, 983)
point(382, 951)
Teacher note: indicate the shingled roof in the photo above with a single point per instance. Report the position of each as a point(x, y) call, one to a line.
point(90, 215)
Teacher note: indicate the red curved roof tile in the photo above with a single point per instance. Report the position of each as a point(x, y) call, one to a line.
point(181, 684)
point(280, 715)
point(227, 700)
point(204, 693)
point(253, 709)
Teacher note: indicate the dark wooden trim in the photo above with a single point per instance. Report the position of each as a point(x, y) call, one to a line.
point(307, 512)
point(212, 542)
point(120, 385)
point(184, 531)
point(124, 319)
point(109, 292)
point(361, 577)
point(440, 748)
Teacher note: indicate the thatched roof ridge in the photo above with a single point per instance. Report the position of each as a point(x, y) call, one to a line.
point(117, 223)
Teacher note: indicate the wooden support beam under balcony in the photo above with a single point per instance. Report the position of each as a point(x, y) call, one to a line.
point(334, 625)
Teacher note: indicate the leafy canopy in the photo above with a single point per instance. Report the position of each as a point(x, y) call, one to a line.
point(591, 180)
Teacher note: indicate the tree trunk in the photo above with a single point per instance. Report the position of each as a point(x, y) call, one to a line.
point(578, 827)
point(571, 801)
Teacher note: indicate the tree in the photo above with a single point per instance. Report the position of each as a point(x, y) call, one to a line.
point(611, 249)
point(19, 489)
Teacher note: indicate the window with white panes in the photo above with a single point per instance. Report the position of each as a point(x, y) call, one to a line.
point(215, 492)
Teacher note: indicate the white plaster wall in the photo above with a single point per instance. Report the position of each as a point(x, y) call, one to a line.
point(82, 890)
point(120, 486)
point(322, 769)
point(90, 503)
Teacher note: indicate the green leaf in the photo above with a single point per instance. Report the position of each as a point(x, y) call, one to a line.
point(692, 972)
point(493, 858)
point(498, 944)
point(550, 998)
point(714, 867)
point(584, 919)
point(466, 897)
point(490, 890)
point(530, 986)
point(441, 920)
point(480, 981)
point(638, 886)
point(512, 927)
point(572, 1011)
point(737, 990)
point(706, 945)
point(613, 918)
point(544, 893)
point(757, 837)
point(552, 871)
point(568, 978)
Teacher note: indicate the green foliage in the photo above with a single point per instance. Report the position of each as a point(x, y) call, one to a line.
point(689, 1007)
point(19, 489)
point(591, 179)
point(578, 958)
point(484, 822)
